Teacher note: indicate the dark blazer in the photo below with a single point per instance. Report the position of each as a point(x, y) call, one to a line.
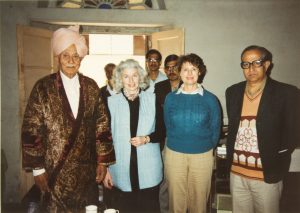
point(162, 89)
point(275, 123)
point(104, 95)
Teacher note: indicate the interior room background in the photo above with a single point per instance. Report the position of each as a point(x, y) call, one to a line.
point(217, 30)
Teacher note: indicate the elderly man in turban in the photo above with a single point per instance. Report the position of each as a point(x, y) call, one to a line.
point(66, 139)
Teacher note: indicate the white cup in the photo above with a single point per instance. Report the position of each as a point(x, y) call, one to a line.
point(91, 209)
point(111, 211)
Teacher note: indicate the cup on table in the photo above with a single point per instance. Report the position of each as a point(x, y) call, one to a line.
point(91, 209)
point(111, 211)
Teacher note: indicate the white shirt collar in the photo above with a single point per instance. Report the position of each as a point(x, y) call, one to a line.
point(71, 86)
point(67, 79)
point(160, 77)
point(199, 90)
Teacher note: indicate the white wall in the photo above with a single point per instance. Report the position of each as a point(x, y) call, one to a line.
point(217, 30)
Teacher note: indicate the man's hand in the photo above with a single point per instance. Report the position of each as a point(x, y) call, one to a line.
point(107, 182)
point(42, 182)
point(100, 172)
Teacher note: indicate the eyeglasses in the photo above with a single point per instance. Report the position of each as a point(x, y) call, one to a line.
point(66, 57)
point(256, 64)
point(153, 60)
point(171, 67)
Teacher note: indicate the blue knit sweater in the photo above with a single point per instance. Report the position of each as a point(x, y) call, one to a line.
point(192, 121)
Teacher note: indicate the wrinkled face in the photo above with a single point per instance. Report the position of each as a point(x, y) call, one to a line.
point(189, 74)
point(257, 68)
point(172, 71)
point(69, 61)
point(153, 63)
point(130, 79)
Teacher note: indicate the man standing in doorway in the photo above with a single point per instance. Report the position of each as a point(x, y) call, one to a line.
point(161, 90)
point(153, 62)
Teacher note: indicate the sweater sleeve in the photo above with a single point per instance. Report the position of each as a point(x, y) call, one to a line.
point(215, 120)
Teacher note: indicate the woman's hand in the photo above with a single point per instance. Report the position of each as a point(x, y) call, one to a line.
point(100, 172)
point(42, 182)
point(107, 182)
point(140, 140)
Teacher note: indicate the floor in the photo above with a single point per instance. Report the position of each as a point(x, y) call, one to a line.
point(290, 202)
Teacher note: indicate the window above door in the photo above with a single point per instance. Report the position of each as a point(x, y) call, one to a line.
point(106, 4)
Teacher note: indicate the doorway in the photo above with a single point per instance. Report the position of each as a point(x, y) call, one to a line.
point(111, 48)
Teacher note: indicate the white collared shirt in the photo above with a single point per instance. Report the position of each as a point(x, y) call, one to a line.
point(72, 87)
point(160, 77)
point(199, 90)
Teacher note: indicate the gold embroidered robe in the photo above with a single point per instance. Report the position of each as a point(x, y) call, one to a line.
point(47, 131)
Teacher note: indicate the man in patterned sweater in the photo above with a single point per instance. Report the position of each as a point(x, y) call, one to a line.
point(262, 134)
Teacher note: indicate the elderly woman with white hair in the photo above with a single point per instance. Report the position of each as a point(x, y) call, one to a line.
point(66, 139)
point(135, 177)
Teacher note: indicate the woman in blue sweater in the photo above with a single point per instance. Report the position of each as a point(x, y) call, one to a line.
point(193, 119)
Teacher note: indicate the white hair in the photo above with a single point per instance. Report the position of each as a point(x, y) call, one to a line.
point(129, 64)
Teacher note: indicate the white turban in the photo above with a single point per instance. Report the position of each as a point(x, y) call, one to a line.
point(65, 37)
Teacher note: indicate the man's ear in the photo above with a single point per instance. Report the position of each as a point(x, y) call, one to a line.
point(267, 64)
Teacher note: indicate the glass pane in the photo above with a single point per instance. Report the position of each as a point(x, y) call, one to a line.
point(93, 65)
point(99, 44)
point(122, 44)
point(110, 44)
point(135, 1)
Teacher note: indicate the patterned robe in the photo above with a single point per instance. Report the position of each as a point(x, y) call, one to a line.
point(50, 130)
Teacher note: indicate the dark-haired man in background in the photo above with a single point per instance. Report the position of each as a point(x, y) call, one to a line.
point(153, 62)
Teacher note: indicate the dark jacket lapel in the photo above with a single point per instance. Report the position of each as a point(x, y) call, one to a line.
point(265, 98)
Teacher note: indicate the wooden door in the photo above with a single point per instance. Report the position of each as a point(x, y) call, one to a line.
point(168, 42)
point(34, 61)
